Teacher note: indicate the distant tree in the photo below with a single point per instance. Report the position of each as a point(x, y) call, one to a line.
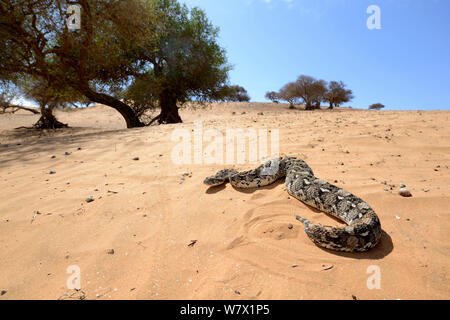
point(337, 94)
point(234, 93)
point(288, 93)
point(310, 90)
point(376, 106)
point(8, 94)
point(318, 91)
point(273, 96)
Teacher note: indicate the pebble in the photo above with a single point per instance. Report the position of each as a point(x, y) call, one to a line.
point(90, 199)
point(52, 172)
point(290, 226)
point(404, 193)
point(67, 153)
point(136, 159)
point(110, 251)
point(3, 292)
point(402, 185)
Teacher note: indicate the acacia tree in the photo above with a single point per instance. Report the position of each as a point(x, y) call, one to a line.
point(288, 93)
point(337, 94)
point(310, 91)
point(188, 64)
point(376, 106)
point(273, 96)
point(48, 98)
point(119, 42)
point(233, 93)
point(318, 91)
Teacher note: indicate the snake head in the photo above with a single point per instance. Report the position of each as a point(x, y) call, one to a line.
point(213, 181)
point(220, 177)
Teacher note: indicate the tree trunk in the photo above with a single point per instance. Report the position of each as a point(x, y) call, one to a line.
point(169, 110)
point(317, 106)
point(48, 120)
point(308, 106)
point(125, 110)
point(331, 105)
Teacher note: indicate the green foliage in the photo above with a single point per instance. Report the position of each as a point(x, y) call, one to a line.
point(233, 93)
point(187, 62)
point(159, 46)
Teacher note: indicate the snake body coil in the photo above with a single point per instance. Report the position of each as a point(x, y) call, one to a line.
point(363, 230)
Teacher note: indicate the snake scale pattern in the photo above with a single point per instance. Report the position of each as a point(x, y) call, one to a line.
point(363, 230)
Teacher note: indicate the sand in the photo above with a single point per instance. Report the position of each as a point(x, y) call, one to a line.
point(248, 243)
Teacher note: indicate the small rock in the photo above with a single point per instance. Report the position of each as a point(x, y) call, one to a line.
point(136, 159)
point(327, 268)
point(90, 199)
point(405, 193)
point(79, 148)
point(67, 153)
point(110, 251)
point(354, 297)
point(397, 217)
point(53, 157)
point(3, 292)
point(294, 266)
point(237, 292)
point(52, 172)
point(402, 185)
point(290, 226)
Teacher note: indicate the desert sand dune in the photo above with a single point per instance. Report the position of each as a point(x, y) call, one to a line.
point(248, 243)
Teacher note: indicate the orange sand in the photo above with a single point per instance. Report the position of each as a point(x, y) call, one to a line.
point(244, 242)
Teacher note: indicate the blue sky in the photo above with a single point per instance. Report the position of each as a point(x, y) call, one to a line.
point(404, 65)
